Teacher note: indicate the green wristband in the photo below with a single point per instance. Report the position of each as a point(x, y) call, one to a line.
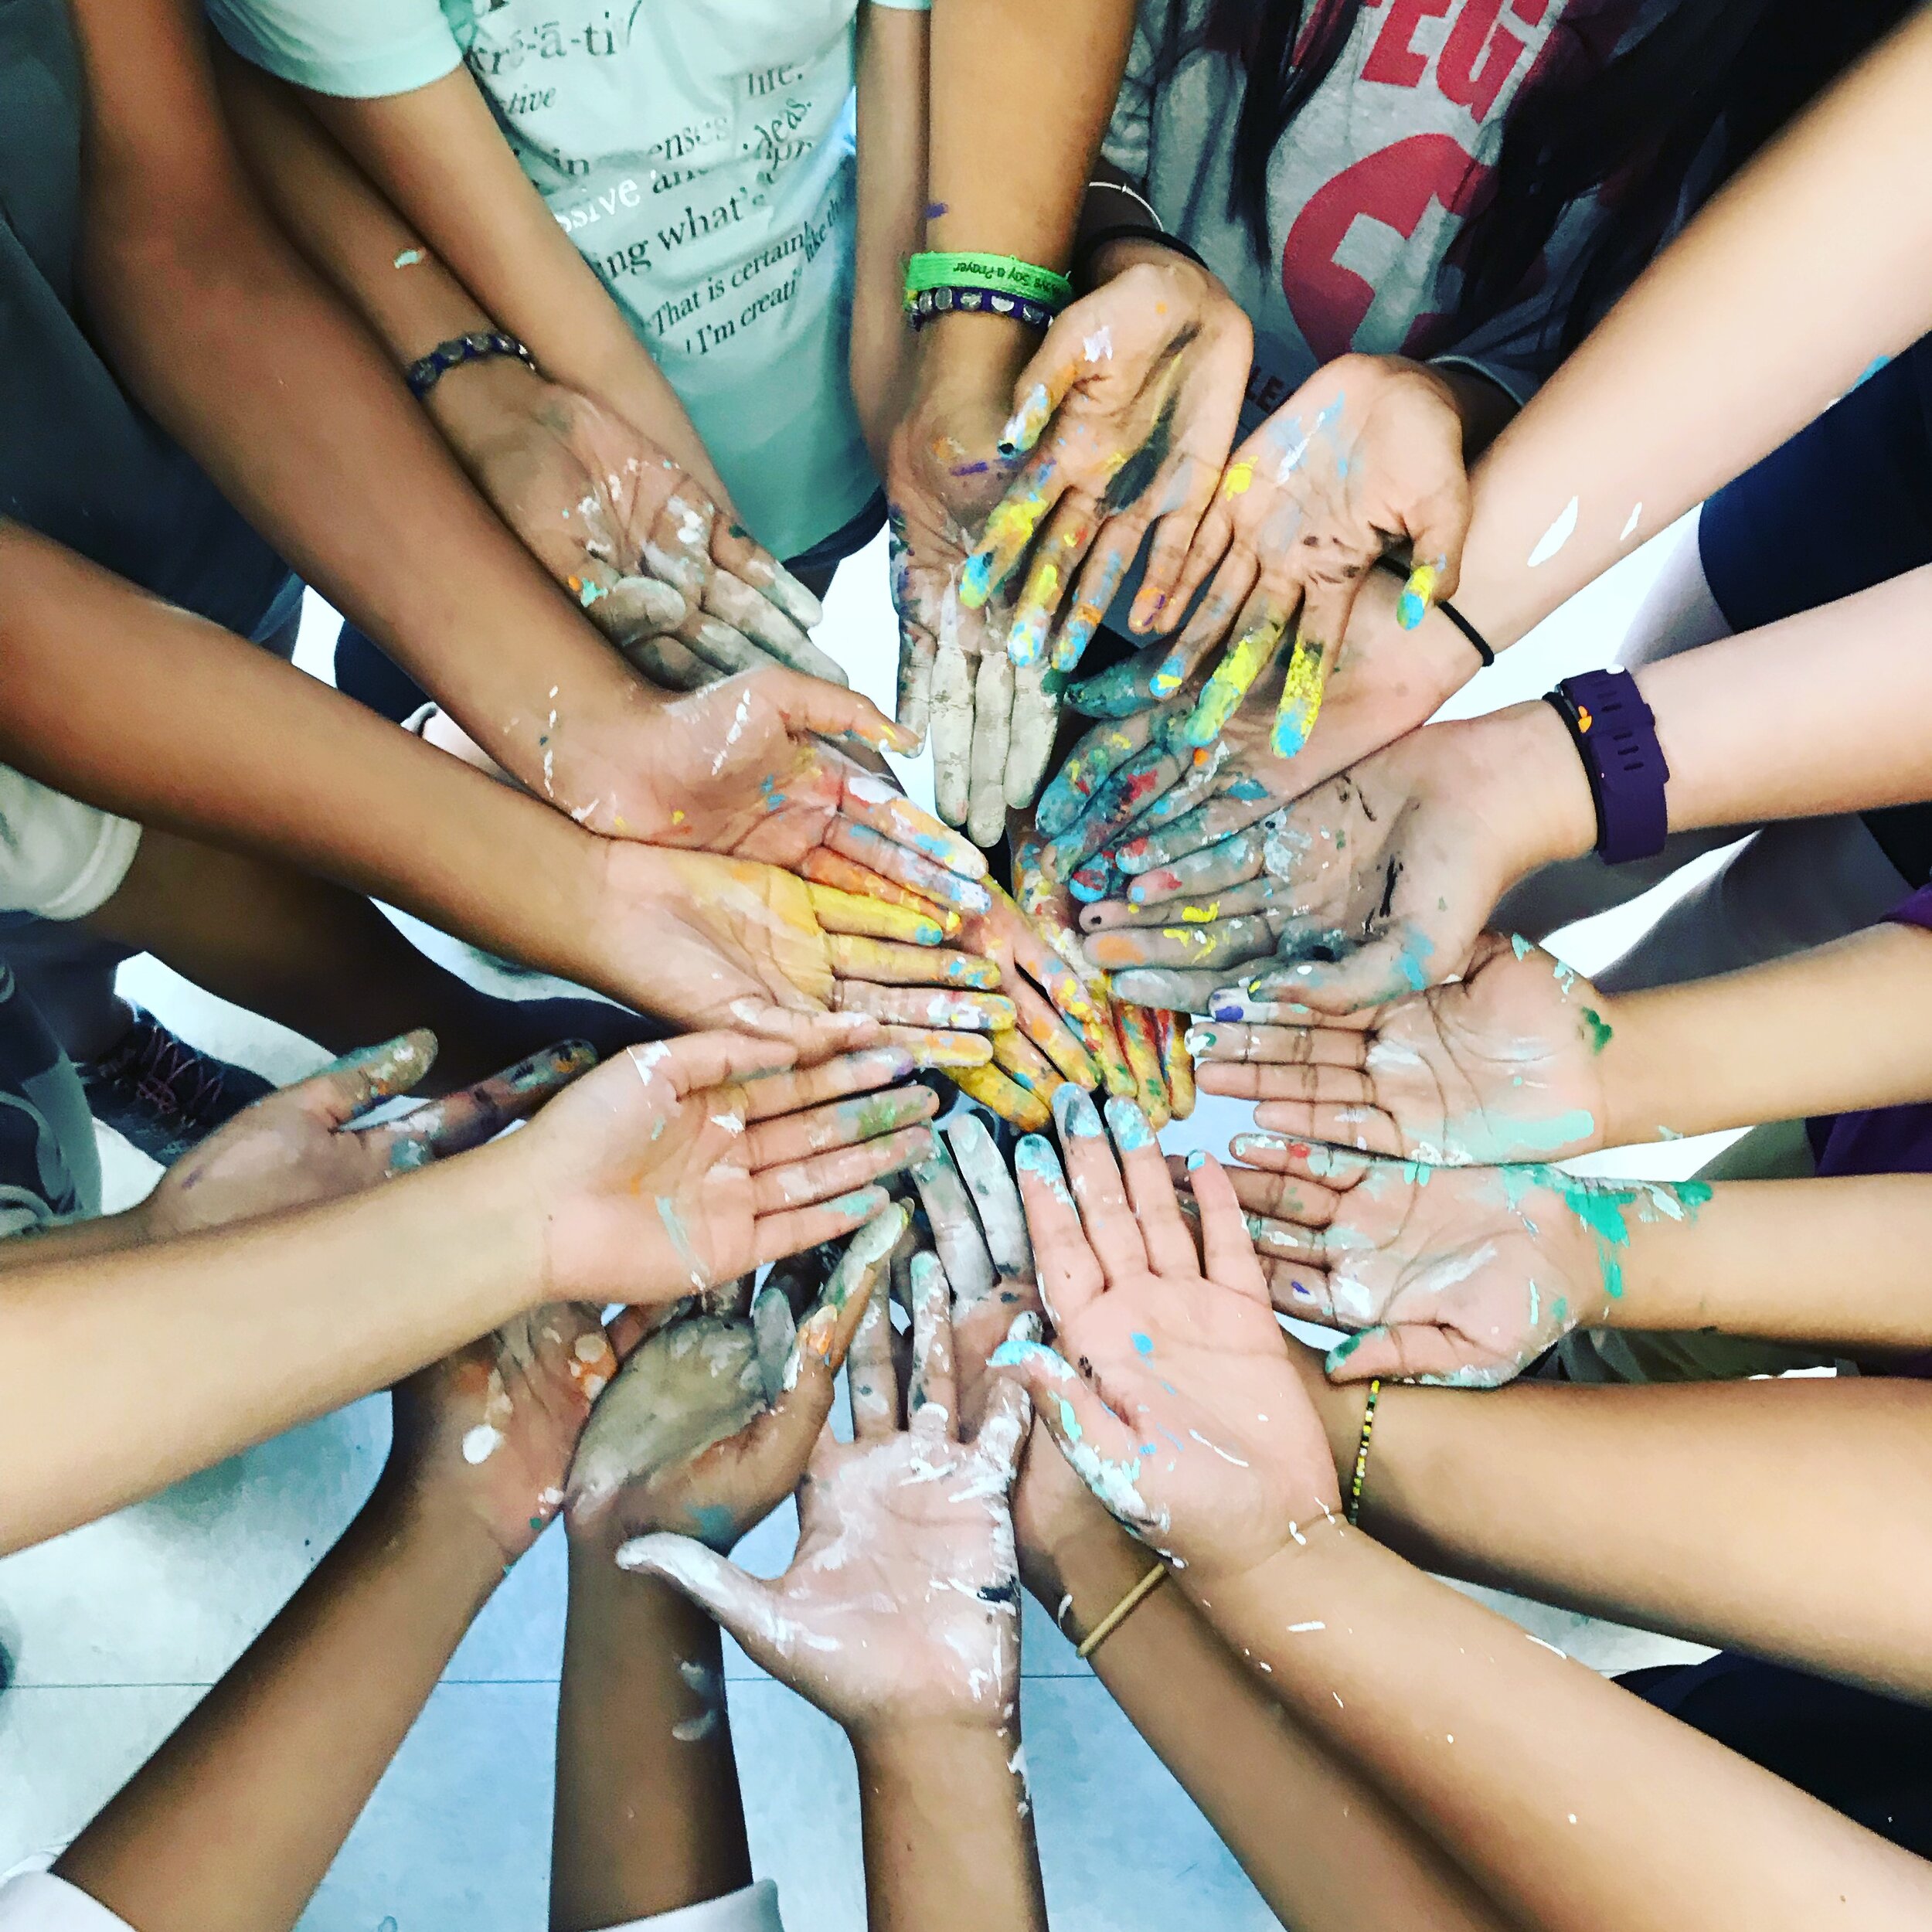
point(1004, 272)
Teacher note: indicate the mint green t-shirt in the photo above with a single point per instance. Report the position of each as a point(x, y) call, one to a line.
point(699, 155)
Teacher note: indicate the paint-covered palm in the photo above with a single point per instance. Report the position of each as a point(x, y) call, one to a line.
point(901, 1603)
point(1503, 1064)
point(491, 1429)
point(679, 1167)
point(707, 1429)
point(1455, 1276)
point(1168, 1387)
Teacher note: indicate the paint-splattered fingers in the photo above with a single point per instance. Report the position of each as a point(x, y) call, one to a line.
point(1260, 629)
point(1099, 583)
point(1306, 684)
point(1042, 1029)
point(862, 915)
point(1111, 1230)
point(790, 1090)
point(734, 549)
point(956, 1233)
point(884, 830)
point(887, 962)
point(1056, 562)
point(995, 1089)
point(1244, 803)
point(821, 1177)
point(917, 1006)
point(869, 1371)
point(1218, 948)
point(825, 1334)
point(992, 738)
point(1292, 1199)
point(1143, 1057)
point(917, 655)
point(1172, 1034)
point(1035, 724)
point(1169, 1246)
point(1010, 528)
point(727, 651)
point(938, 1050)
point(737, 605)
point(821, 866)
point(1166, 988)
point(1022, 1062)
point(795, 1230)
point(1088, 766)
point(1296, 1288)
point(477, 1114)
point(932, 1394)
point(1070, 1272)
point(1101, 1037)
point(844, 1123)
point(952, 731)
point(994, 1195)
point(1238, 859)
point(1227, 1251)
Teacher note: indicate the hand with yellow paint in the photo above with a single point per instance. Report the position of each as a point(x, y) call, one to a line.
point(1367, 455)
point(1123, 419)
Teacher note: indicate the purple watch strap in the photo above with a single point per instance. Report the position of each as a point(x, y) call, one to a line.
point(1616, 735)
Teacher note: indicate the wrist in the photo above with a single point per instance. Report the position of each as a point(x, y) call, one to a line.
point(974, 355)
point(1082, 1574)
point(928, 1761)
point(1532, 787)
point(1265, 1595)
point(412, 1519)
point(474, 403)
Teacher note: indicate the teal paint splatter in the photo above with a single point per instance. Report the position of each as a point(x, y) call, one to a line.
point(1597, 1030)
point(1143, 1344)
point(1131, 1128)
point(1520, 947)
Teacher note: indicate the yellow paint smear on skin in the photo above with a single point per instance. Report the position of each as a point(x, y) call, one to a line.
point(1238, 481)
point(1201, 915)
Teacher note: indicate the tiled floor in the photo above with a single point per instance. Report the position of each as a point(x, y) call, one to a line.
point(117, 1629)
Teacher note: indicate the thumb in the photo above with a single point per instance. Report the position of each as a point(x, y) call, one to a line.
point(746, 1606)
point(364, 1078)
point(809, 705)
point(1102, 1449)
point(1437, 530)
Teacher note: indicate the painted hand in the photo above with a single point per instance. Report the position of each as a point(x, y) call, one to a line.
point(1125, 418)
point(707, 1429)
point(1457, 1276)
point(1367, 453)
point(1184, 1415)
point(1374, 884)
point(706, 942)
point(674, 582)
point(992, 725)
point(491, 1429)
point(680, 1166)
point(301, 1146)
point(1502, 1065)
point(901, 1605)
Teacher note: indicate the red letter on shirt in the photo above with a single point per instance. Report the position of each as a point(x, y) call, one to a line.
point(1457, 72)
point(1391, 60)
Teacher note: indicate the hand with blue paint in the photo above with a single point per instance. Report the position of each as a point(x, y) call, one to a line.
point(1184, 1415)
point(1506, 1064)
point(898, 1613)
point(1459, 1278)
point(1367, 455)
point(1121, 424)
point(708, 1426)
point(304, 1144)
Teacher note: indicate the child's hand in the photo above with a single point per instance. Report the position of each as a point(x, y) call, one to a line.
point(301, 1146)
point(1502, 1065)
point(900, 1608)
point(490, 1430)
point(675, 584)
point(678, 1167)
point(1125, 416)
point(707, 1429)
point(1184, 1417)
point(1368, 451)
point(1457, 1276)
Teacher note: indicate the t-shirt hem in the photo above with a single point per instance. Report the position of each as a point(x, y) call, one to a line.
point(398, 70)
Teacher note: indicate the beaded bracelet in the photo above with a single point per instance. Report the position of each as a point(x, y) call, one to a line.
point(976, 302)
point(481, 345)
point(1362, 1452)
point(1007, 273)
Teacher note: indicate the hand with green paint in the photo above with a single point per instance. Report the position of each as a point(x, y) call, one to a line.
point(707, 1428)
point(1457, 1276)
point(1374, 884)
point(899, 1611)
point(1367, 454)
point(488, 1433)
point(1168, 1387)
point(642, 546)
point(303, 1145)
point(1503, 1064)
point(1123, 420)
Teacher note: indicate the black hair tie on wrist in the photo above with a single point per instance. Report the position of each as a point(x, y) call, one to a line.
point(1477, 640)
point(1129, 231)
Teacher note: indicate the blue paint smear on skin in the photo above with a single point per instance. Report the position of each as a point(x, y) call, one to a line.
point(1035, 1156)
point(1074, 1114)
point(1143, 1344)
point(1248, 790)
point(1131, 1128)
point(714, 1524)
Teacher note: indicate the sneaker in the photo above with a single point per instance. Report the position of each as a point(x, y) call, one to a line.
point(162, 1095)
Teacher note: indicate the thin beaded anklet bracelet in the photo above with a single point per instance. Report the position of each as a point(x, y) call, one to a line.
point(1362, 1452)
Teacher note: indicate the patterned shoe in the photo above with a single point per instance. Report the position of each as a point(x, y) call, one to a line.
point(161, 1094)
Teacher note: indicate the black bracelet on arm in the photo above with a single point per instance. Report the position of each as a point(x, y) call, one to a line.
point(1091, 244)
point(480, 345)
point(1478, 640)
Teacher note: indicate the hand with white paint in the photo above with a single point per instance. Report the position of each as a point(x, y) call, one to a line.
point(1184, 1415)
point(898, 1613)
point(1125, 417)
point(302, 1145)
point(1367, 454)
point(1375, 884)
point(488, 1432)
point(678, 1167)
point(669, 577)
point(707, 1428)
point(1457, 1277)
point(1503, 1064)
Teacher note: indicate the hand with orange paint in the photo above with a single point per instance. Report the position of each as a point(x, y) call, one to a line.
point(677, 1167)
point(666, 573)
point(707, 1428)
point(1125, 418)
point(1367, 454)
point(489, 1431)
point(303, 1145)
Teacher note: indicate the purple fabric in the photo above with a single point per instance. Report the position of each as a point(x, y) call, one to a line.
point(1882, 1140)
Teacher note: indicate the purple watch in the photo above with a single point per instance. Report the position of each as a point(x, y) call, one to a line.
point(1616, 737)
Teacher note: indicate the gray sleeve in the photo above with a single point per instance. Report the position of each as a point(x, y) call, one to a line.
point(1127, 142)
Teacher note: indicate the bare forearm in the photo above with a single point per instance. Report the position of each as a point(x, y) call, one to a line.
point(232, 1824)
point(948, 1832)
point(1577, 1807)
point(185, 1351)
point(1323, 1847)
point(1787, 1518)
point(1766, 309)
point(1775, 1041)
point(147, 711)
point(648, 1815)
